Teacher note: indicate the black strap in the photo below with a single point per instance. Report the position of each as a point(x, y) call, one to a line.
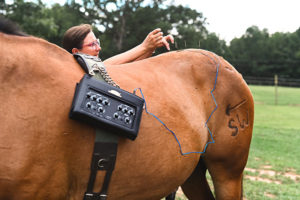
point(106, 143)
point(104, 158)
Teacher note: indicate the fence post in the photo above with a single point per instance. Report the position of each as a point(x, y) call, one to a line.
point(276, 86)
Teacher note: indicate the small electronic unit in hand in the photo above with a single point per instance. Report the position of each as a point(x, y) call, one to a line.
point(108, 107)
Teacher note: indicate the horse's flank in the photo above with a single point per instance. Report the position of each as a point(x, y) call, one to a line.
point(45, 155)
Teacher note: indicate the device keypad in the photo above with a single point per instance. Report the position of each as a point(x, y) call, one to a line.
point(108, 108)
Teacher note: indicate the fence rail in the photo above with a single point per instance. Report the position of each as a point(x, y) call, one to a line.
point(289, 82)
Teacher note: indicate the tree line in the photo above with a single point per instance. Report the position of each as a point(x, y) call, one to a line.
point(123, 24)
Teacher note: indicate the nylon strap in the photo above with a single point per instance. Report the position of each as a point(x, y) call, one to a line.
point(106, 143)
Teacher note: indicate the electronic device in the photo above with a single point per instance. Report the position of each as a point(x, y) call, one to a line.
point(108, 107)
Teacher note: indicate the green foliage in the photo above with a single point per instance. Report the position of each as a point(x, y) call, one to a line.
point(213, 43)
point(122, 24)
point(39, 20)
point(125, 24)
point(249, 52)
point(189, 24)
point(32, 17)
point(257, 53)
point(65, 17)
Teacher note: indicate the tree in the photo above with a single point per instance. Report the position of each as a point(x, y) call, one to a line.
point(66, 16)
point(39, 20)
point(188, 24)
point(250, 52)
point(257, 53)
point(122, 25)
point(213, 43)
point(126, 23)
point(119, 23)
point(3, 7)
point(32, 18)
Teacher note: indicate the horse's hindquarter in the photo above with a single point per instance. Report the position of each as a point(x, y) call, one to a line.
point(231, 124)
point(177, 88)
point(171, 95)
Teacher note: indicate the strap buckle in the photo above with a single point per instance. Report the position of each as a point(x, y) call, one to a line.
point(94, 196)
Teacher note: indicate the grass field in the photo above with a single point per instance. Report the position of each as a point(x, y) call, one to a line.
point(273, 168)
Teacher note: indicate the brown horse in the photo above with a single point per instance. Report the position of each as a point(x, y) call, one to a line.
point(195, 93)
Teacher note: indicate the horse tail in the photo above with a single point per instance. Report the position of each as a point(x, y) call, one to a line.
point(9, 27)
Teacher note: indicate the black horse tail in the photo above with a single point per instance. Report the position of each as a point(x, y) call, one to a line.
point(9, 27)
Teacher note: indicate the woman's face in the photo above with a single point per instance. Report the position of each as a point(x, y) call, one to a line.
point(91, 45)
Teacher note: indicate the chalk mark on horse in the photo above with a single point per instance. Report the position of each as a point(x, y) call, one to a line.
point(228, 109)
point(242, 123)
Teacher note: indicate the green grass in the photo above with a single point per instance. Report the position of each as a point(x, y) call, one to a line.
point(285, 96)
point(275, 145)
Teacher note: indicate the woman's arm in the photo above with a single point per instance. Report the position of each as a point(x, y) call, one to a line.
point(153, 40)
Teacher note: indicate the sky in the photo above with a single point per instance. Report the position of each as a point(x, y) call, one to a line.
point(231, 18)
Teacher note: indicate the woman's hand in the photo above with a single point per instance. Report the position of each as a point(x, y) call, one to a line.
point(156, 39)
point(153, 40)
point(166, 39)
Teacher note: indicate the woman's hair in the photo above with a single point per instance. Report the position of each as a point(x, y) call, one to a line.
point(74, 36)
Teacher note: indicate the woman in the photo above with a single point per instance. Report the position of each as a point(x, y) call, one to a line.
point(81, 39)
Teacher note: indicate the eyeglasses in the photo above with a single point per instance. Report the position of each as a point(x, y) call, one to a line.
point(93, 44)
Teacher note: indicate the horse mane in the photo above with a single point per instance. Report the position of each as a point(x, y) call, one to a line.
point(9, 27)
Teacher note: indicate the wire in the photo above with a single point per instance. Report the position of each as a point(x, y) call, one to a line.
point(211, 92)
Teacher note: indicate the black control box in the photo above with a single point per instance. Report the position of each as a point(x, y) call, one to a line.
point(108, 107)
